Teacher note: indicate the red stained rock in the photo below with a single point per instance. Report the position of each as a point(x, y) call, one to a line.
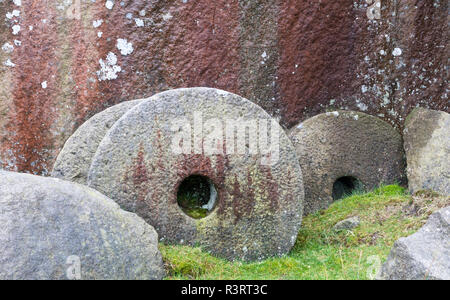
point(294, 58)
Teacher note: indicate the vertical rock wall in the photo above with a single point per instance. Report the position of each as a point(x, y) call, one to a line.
point(61, 61)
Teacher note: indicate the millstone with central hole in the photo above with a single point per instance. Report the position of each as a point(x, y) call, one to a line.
point(241, 204)
point(343, 152)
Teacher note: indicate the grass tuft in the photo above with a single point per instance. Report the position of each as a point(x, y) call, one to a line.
point(386, 214)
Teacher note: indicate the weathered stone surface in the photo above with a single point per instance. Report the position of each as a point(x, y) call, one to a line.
point(74, 160)
point(423, 255)
point(346, 145)
point(48, 226)
point(427, 148)
point(259, 206)
point(293, 58)
point(347, 224)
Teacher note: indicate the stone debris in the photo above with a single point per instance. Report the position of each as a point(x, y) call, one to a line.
point(347, 224)
point(423, 255)
point(54, 229)
point(427, 147)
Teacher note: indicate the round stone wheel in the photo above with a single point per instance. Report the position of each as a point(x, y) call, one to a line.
point(258, 206)
point(53, 229)
point(345, 151)
point(75, 158)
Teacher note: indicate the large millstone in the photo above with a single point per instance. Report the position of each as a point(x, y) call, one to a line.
point(343, 151)
point(75, 158)
point(54, 229)
point(427, 147)
point(258, 207)
point(423, 255)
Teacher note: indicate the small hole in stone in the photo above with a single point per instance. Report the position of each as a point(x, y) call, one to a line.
point(345, 186)
point(197, 196)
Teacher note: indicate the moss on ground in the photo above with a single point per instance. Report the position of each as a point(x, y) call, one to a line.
point(386, 214)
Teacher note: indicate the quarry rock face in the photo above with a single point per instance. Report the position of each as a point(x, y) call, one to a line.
point(255, 209)
point(61, 61)
point(75, 158)
point(427, 147)
point(53, 229)
point(345, 151)
point(423, 255)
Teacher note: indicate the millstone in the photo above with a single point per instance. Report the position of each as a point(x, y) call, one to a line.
point(258, 209)
point(75, 158)
point(343, 151)
point(54, 229)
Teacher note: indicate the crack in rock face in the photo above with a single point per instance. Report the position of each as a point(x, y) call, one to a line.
point(144, 159)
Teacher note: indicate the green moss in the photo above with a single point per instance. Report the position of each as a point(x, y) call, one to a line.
point(320, 252)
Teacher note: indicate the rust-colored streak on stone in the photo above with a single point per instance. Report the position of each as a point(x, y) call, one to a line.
point(137, 177)
point(259, 52)
point(84, 64)
point(203, 46)
point(270, 186)
point(35, 86)
point(316, 60)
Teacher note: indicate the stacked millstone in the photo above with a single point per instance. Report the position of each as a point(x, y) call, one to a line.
point(54, 229)
point(255, 205)
point(76, 156)
point(427, 148)
point(345, 151)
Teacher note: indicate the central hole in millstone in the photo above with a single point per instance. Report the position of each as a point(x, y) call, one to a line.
point(345, 186)
point(197, 196)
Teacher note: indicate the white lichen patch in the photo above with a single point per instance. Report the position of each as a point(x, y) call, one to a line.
point(167, 17)
point(14, 13)
point(7, 47)
point(17, 2)
point(361, 106)
point(124, 47)
point(17, 43)
point(397, 52)
point(97, 23)
point(44, 84)
point(109, 4)
point(15, 29)
point(9, 63)
point(109, 68)
point(139, 22)
point(99, 34)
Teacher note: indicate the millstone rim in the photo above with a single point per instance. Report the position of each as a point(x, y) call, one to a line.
point(224, 230)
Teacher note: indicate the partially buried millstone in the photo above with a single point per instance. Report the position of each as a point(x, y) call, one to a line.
point(342, 152)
